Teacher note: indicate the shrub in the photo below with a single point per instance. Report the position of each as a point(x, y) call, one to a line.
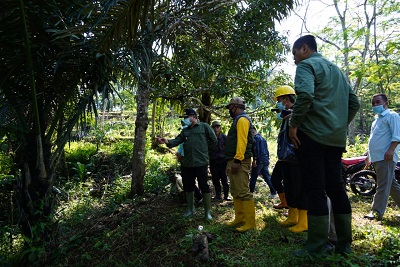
point(80, 152)
point(156, 173)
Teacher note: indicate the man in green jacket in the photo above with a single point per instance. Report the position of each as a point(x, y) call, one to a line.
point(324, 107)
point(198, 139)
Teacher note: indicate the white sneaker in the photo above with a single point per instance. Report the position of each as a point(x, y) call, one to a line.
point(273, 196)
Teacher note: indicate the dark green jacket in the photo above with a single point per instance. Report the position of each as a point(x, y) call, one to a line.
point(325, 102)
point(197, 142)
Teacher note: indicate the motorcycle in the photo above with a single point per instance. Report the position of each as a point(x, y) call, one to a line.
point(360, 178)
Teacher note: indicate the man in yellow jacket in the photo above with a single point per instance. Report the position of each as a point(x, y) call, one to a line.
point(238, 146)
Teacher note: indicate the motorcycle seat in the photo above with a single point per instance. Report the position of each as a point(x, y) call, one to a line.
point(353, 160)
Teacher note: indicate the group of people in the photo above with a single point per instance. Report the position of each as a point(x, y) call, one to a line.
point(312, 138)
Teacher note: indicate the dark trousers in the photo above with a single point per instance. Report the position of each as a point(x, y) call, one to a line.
point(296, 196)
point(218, 173)
point(321, 170)
point(277, 177)
point(189, 175)
point(262, 168)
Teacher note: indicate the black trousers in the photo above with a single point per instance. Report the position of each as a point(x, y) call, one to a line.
point(277, 177)
point(218, 173)
point(321, 170)
point(293, 185)
point(189, 175)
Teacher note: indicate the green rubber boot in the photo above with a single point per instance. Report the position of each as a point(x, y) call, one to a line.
point(316, 239)
point(190, 204)
point(207, 206)
point(343, 233)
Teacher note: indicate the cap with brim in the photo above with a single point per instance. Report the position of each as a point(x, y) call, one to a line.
point(215, 123)
point(188, 112)
point(236, 101)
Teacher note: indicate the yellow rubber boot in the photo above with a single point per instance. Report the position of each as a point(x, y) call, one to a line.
point(293, 217)
point(239, 213)
point(302, 225)
point(250, 216)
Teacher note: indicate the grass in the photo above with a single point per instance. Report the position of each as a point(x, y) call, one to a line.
point(150, 231)
point(110, 230)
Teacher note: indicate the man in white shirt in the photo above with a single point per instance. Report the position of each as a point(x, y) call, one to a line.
point(383, 148)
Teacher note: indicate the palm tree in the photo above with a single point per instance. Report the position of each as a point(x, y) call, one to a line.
point(55, 57)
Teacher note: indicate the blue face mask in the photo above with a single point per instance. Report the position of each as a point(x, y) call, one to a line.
point(278, 116)
point(186, 122)
point(378, 109)
point(280, 106)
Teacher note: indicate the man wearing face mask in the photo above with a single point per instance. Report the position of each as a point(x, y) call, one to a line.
point(293, 194)
point(198, 139)
point(383, 147)
point(198, 196)
point(238, 147)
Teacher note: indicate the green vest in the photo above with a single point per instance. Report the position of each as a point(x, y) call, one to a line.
point(231, 139)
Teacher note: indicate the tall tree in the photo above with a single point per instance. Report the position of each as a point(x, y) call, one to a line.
point(55, 56)
point(361, 32)
point(215, 46)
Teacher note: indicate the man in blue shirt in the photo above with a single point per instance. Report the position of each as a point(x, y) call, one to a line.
point(383, 148)
point(260, 163)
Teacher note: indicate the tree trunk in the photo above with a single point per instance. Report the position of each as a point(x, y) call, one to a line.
point(204, 113)
point(34, 200)
point(141, 124)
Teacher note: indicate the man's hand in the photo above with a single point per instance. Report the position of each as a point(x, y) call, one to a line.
point(254, 163)
point(235, 167)
point(179, 156)
point(367, 163)
point(389, 155)
point(293, 136)
point(162, 140)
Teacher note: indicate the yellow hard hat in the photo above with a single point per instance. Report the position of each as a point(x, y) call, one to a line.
point(284, 90)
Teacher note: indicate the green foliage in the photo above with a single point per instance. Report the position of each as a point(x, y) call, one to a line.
point(121, 149)
point(359, 148)
point(80, 152)
point(367, 52)
point(156, 177)
point(81, 170)
point(6, 163)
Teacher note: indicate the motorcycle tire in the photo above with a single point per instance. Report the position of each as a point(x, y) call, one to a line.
point(363, 183)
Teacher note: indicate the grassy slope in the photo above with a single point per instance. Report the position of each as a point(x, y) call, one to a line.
point(150, 231)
